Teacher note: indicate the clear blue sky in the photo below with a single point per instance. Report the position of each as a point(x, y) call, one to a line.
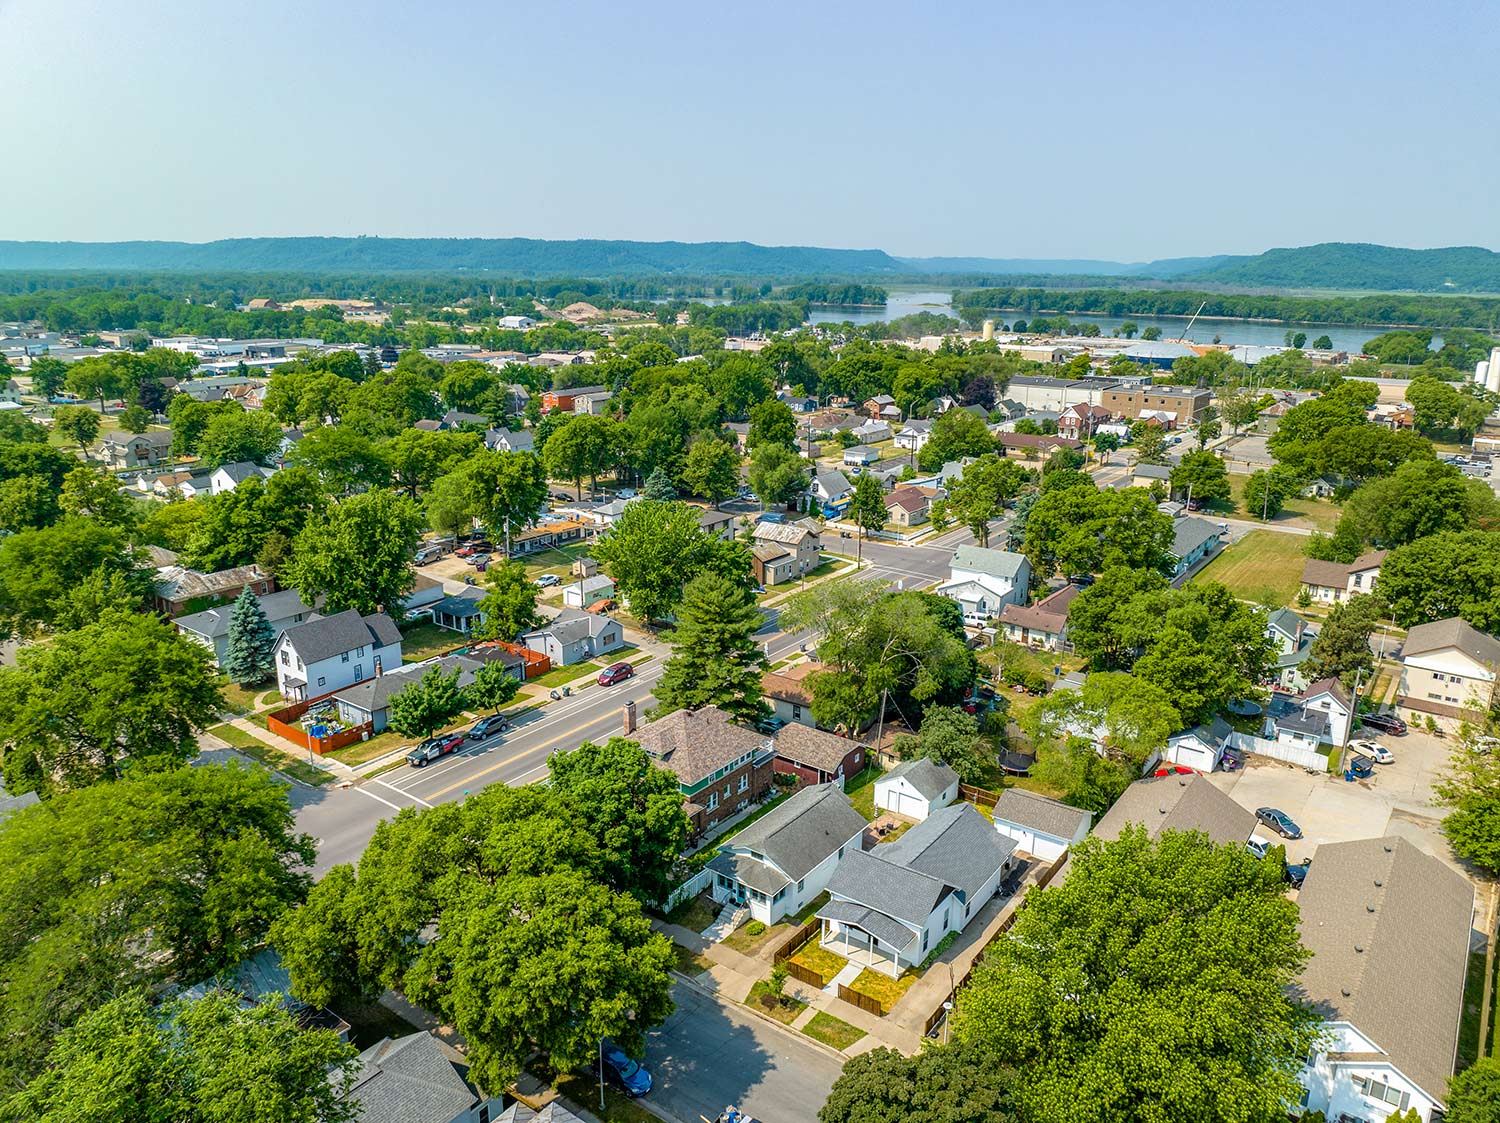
point(1092, 129)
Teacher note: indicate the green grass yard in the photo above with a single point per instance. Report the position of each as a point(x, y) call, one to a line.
point(861, 792)
point(423, 641)
point(262, 753)
point(831, 1031)
point(561, 676)
point(1265, 566)
point(784, 1011)
point(817, 958)
point(881, 987)
point(1315, 514)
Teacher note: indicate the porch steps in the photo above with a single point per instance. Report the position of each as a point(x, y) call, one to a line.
point(849, 973)
point(729, 919)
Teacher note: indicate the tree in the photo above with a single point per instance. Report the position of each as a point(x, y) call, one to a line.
point(777, 474)
point(1341, 649)
point(978, 496)
point(95, 494)
point(1474, 1093)
point(654, 549)
point(493, 687)
point(473, 910)
point(1449, 574)
point(1085, 530)
point(1209, 427)
point(345, 461)
point(1419, 499)
point(1322, 343)
point(712, 470)
point(359, 556)
point(251, 642)
point(36, 564)
point(125, 688)
point(507, 489)
point(416, 457)
point(715, 657)
point(1151, 333)
point(79, 424)
point(772, 422)
point(1087, 994)
point(1202, 476)
point(48, 375)
point(509, 605)
point(1084, 777)
point(1238, 406)
point(163, 877)
point(1100, 622)
point(584, 445)
point(631, 808)
point(1267, 490)
point(234, 526)
point(658, 486)
point(1104, 444)
point(1132, 718)
point(233, 437)
point(948, 736)
point(1150, 441)
point(134, 419)
point(1129, 328)
point(206, 1060)
point(867, 508)
point(1471, 787)
point(426, 703)
point(941, 1084)
point(955, 434)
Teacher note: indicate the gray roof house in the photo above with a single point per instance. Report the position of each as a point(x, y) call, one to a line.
point(370, 699)
point(1178, 803)
point(327, 654)
point(890, 906)
point(1201, 747)
point(1043, 827)
point(504, 440)
point(1389, 928)
point(283, 609)
point(419, 1079)
point(575, 637)
point(1193, 540)
point(983, 581)
point(784, 859)
point(1293, 637)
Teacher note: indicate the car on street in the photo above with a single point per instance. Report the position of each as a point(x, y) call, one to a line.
point(615, 672)
point(489, 726)
point(1360, 767)
point(547, 580)
point(632, 1076)
point(433, 749)
point(1386, 723)
point(1279, 821)
point(1374, 750)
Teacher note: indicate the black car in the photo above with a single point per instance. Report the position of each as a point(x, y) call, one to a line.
point(1386, 723)
point(1279, 821)
point(489, 726)
point(1296, 874)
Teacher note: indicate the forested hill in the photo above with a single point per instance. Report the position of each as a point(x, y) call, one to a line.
point(1358, 265)
point(519, 257)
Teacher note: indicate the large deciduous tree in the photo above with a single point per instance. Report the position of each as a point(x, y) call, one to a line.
point(1450, 574)
point(772, 422)
point(1341, 649)
point(492, 688)
point(1419, 499)
point(1471, 787)
point(715, 658)
point(654, 549)
point(712, 470)
point(941, 1084)
point(954, 435)
point(426, 703)
point(359, 555)
point(1201, 476)
point(777, 474)
point(948, 736)
point(1474, 1093)
point(1085, 530)
point(1113, 997)
point(509, 603)
point(978, 496)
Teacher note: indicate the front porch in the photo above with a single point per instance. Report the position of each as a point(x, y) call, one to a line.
point(860, 947)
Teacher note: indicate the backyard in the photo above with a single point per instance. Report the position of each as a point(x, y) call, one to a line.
point(1265, 566)
point(423, 641)
point(1314, 514)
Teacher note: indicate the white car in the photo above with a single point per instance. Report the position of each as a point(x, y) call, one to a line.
point(1374, 750)
point(547, 580)
point(625, 493)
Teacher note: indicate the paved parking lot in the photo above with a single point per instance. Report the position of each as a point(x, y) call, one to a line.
point(1396, 800)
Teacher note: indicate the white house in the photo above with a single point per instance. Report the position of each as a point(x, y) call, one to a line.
point(227, 477)
point(1330, 582)
point(832, 490)
point(1293, 637)
point(327, 654)
point(1389, 928)
point(913, 435)
point(889, 907)
point(984, 581)
point(1201, 747)
point(575, 637)
point(872, 432)
point(1042, 827)
point(1448, 666)
point(1193, 539)
point(784, 859)
point(1322, 716)
point(916, 788)
point(588, 591)
point(284, 609)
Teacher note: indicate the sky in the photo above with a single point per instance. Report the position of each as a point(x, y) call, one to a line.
point(1083, 130)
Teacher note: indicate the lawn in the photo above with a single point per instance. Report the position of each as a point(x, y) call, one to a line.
point(560, 676)
point(240, 699)
point(784, 1011)
point(262, 753)
point(361, 751)
point(582, 1088)
point(1265, 566)
point(819, 960)
point(882, 988)
point(690, 962)
point(861, 792)
point(832, 1031)
point(557, 561)
point(741, 940)
point(423, 641)
point(1315, 514)
point(695, 913)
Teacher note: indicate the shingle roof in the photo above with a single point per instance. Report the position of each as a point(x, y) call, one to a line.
point(1453, 632)
point(956, 844)
point(694, 744)
point(803, 829)
point(909, 499)
point(802, 744)
point(1178, 803)
point(789, 685)
point(1049, 614)
point(553, 1112)
point(1331, 686)
point(929, 777)
point(834, 483)
point(414, 1079)
point(1389, 927)
point(1336, 574)
point(213, 622)
point(995, 563)
point(788, 534)
point(317, 640)
point(177, 582)
point(1286, 621)
point(374, 694)
point(573, 624)
point(1038, 813)
point(12, 803)
point(750, 872)
point(882, 927)
point(1190, 533)
point(887, 887)
point(242, 470)
point(1152, 471)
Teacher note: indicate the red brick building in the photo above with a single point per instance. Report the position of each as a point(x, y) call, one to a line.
point(721, 768)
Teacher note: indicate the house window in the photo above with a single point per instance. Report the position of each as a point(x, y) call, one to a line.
point(745, 782)
point(359, 673)
point(713, 801)
point(1358, 580)
point(484, 1113)
point(286, 660)
point(841, 851)
point(800, 884)
point(321, 680)
point(344, 657)
point(796, 713)
point(924, 939)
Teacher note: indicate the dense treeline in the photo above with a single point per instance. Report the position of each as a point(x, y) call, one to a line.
point(835, 294)
point(1422, 311)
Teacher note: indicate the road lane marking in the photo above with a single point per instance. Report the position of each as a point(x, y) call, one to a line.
point(377, 799)
point(407, 794)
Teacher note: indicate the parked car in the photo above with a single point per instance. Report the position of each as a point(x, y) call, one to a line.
point(1374, 750)
point(479, 559)
point(626, 493)
point(1279, 821)
point(632, 1076)
point(489, 726)
point(1361, 767)
point(434, 748)
point(1296, 874)
point(615, 672)
point(1386, 723)
point(770, 725)
point(547, 580)
point(1257, 846)
point(469, 549)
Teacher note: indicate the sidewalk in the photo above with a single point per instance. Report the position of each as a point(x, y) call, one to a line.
point(337, 769)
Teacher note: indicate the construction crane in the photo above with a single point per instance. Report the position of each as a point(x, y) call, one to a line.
point(1190, 323)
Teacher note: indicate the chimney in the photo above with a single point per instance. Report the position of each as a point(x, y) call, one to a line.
point(628, 714)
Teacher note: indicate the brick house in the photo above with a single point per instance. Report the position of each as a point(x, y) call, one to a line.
point(721, 768)
point(565, 400)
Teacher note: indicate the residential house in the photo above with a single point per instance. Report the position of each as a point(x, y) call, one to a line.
point(595, 404)
point(421, 1079)
point(321, 656)
point(1448, 667)
point(1034, 445)
point(1043, 624)
point(505, 440)
point(858, 456)
point(369, 700)
point(210, 628)
point(882, 407)
point(771, 564)
point(785, 551)
point(816, 756)
point(459, 612)
point(716, 523)
point(1293, 639)
point(1390, 929)
point(549, 533)
point(873, 432)
point(1044, 828)
point(916, 788)
point(796, 403)
point(721, 767)
point(1322, 716)
point(588, 591)
point(457, 419)
point(563, 400)
point(984, 581)
point(889, 907)
point(1080, 420)
point(1332, 582)
point(784, 859)
point(196, 486)
point(832, 491)
point(1201, 747)
point(180, 590)
point(1193, 540)
point(135, 450)
point(425, 592)
point(575, 637)
point(831, 422)
point(908, 506)
point(787, 693)
point(1178, 803)
point(1009, 410)
point(913, 435)
point(227, 477)
point(165, 486)
point(1147, 475)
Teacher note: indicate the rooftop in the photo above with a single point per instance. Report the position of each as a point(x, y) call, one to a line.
point(994, 563)
point(816, 748)
point(316, 640)
point(928, 776)
point(413, 1079)
point(1037, 812)
point(694, 744)
point(798, 833)
point(1453, 632)
point(1178, 803)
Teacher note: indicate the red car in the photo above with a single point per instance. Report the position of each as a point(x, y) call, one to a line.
point(469, 549)
point(617, 672)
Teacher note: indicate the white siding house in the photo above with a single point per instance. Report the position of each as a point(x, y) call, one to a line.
point(984, 581)
point(330, 653)
point(1041, 827)
point(916, 788)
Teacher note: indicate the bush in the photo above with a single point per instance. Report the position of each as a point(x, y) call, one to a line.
point(754, 928)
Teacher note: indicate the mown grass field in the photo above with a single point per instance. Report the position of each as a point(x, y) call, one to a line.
point(1265, 566)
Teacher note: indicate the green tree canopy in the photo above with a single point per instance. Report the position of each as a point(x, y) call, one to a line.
point(509, 603)
point(941, 1084)
point(251, 641)
point(715, 657)
point(1085, 530)
point(949, 736)
point(1448, 574)
point(712, 470)
point(1471, 787)
point(772, 422)
point(1203, 476)
point(955, 434)
point(1132, 718)
point(359, 555)
point(1342, 647)
point(1474, 1093)
point(492, 688)
point(426, 703)
point(978, 496)
point(654, 549)
point(1418, 499)
point(777, 474)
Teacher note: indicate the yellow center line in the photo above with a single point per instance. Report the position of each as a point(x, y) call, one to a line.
point(470, 781)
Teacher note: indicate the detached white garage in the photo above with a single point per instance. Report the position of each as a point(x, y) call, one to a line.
point(1200, 748)
point(1042, 827)
point(916, 788)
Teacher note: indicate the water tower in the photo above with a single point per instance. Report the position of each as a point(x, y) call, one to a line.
point(988, 331)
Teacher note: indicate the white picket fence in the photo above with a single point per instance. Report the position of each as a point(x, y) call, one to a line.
point(1292, 754)
point(692, 886)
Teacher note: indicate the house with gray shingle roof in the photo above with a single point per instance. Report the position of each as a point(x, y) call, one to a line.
point(1178, 803)
point(1293, 637)
point(890, 906)
point(1389, 928)
point(916, 788)
point(1193, 540)
point(784, 859)
point(983, 581)
point(1201, 747)
point(327, 654)
point(574, 636)
point(1045, 828)
point(419, 1079)
point(1447, 668)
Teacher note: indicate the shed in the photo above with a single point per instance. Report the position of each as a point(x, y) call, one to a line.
point(1040, 826)
point(916, 788)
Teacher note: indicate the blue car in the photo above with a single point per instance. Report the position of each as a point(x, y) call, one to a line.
point(633, 1077)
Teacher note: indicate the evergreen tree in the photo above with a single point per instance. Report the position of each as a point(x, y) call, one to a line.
point(251, 640)
point(715, 658)
point(659, 486)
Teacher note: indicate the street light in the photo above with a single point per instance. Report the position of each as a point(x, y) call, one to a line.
point(947, 1017)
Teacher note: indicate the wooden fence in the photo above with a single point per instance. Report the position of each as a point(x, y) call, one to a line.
point(796, 940)
point(981, 797)
point(805, 974)
point(863, 1001)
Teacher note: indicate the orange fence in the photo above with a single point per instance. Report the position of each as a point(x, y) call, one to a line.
point(283, 723)
point(537, 664)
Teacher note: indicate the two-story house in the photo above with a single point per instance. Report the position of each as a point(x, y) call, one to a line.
point(832, 491)
point(983, 581)
point(1043, 624)
point(1293, 637)
point(784, 859)
point(283, 609)
point(179, 589)
point(1448, 667)
point(321, 656)
point(135, 450)
point(721, 767)
point(1079, 420)
point(504, 440)
point(788, 694)
point(1324, 715)
point(800, 545)
point(1332, 582)
point(913, 435)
